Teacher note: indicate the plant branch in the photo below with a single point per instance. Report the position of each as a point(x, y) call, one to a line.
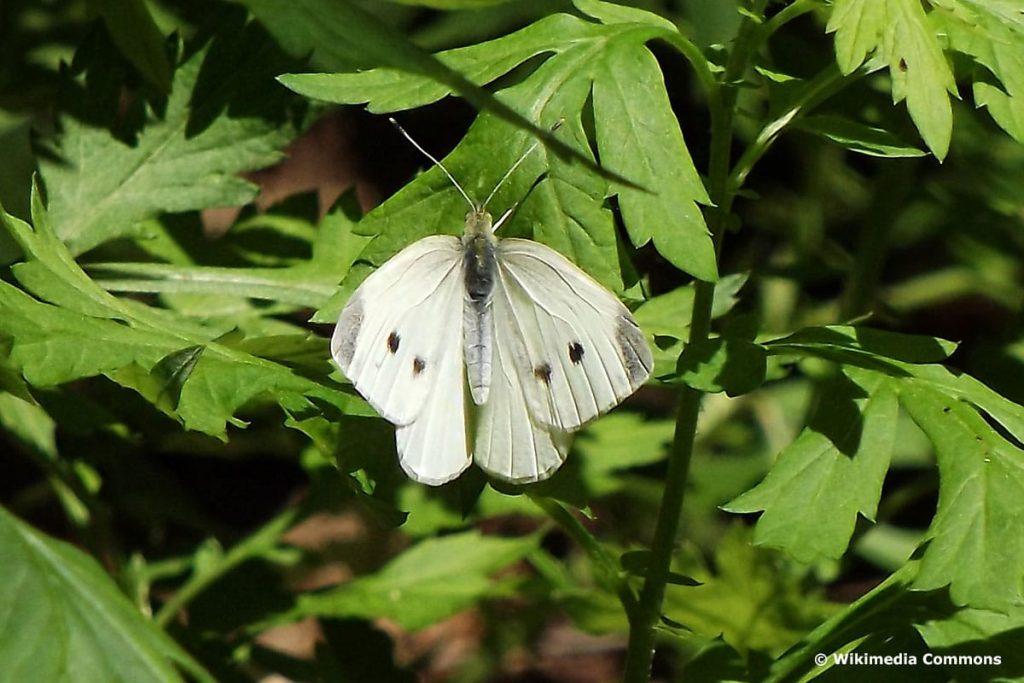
point(255, 544)
point(643, 623)
point(608, 573)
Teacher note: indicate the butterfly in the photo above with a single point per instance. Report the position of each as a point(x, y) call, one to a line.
point(486, 350)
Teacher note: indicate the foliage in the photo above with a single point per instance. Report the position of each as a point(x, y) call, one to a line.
point(187, 477)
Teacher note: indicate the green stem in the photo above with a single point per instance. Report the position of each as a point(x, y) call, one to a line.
point(608, 573)
point(255, 544)
point(644, 621)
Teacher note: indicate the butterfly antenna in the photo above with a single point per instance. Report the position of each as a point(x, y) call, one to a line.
point(520, 160)
point(436, 163)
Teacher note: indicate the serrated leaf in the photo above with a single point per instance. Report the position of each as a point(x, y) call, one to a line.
point(74, 329)
point(901, 33)
point(638, 136)
point(992, 34)
point(63, 619)
point(432, 580)
point(186, 157)
point(749, 602)
point(350, 35)
point(637, 132)
point(881, 344)
point(975, 632)
point(980, 488)
point(612, 13)
point(831, 473)
point(392, 89)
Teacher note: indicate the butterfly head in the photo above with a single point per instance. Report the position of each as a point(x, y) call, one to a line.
point(479, 222)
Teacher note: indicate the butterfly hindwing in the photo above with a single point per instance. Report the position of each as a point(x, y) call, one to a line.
point(392, 339)
point(510, 443)
point(434, 449)
point(584, 352)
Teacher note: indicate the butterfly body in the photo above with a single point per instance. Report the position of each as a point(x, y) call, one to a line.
point(478, 244)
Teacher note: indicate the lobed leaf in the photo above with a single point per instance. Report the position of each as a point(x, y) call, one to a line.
point(831, 473)
point(901, 33)
point(185, 157)
point(637, 133)
point(74, 329)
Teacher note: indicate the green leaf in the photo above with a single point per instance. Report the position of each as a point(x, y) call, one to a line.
point(638, 136)
point(901, 33)
point(425, 584)
point(977, 632)
point(64, 619)
point(133, 30)
point(864, 341)
point(186, 156)
point(735, 366)
point(343, 34)
point(611, 13)
point(615, 443)
point(831, 473)
point(393, 89)
point(636, 133)
point(857, 137)
point(980, 488)
point(754, 601)
point(73, 329)
point(992, 34)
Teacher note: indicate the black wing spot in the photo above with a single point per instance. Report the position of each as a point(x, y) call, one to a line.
point(393, 341)
point(543, 373)
point(418, 366)
point(576, 352)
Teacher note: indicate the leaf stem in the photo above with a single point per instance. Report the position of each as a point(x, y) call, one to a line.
point(258, 542)
point(608, 573)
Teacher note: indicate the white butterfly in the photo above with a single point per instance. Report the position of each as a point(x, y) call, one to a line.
point(541, 347)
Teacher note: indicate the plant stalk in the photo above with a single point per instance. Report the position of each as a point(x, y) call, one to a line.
point(261, 540)
point(644, 621)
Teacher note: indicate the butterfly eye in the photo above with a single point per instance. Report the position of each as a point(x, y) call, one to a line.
point(418, 366)
point(543, 373)
point(576, 352)
point(393, 341)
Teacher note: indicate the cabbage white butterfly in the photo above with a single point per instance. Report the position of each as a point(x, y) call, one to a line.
point(486, 350)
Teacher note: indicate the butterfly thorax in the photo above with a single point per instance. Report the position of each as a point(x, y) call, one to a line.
point(478, 252)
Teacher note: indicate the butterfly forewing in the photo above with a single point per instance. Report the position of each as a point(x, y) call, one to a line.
point(393, 334)
point(584, 352)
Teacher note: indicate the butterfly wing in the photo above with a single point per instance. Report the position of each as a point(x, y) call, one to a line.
point(509, 442)
point(399, 340)
point(434, 448)
point(387, 340)
point(584, 352)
